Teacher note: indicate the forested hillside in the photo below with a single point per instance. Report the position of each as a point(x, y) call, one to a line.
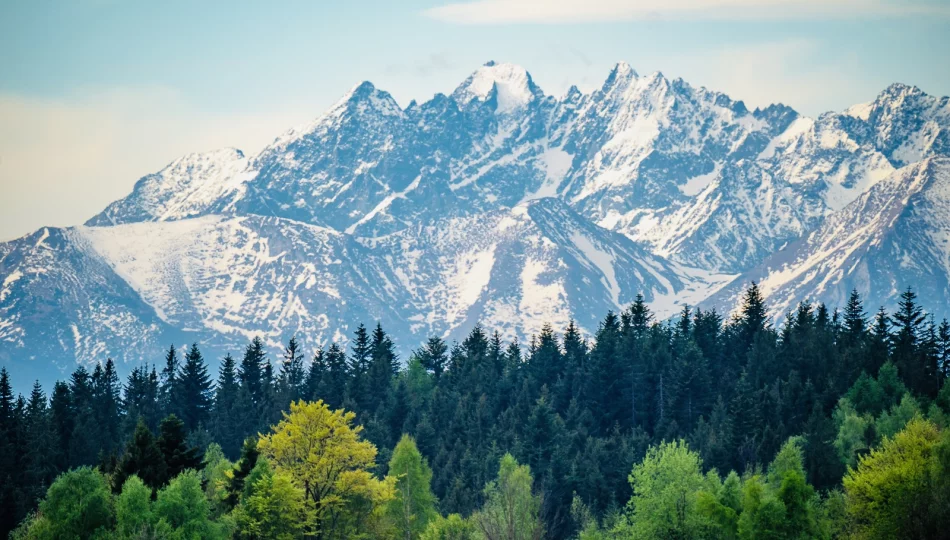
point(834, 424)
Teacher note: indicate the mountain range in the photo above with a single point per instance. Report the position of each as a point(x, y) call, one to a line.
point(499, 204)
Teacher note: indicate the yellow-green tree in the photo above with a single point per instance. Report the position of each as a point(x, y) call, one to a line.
point(322, 453)
point(511, 510)
point(899, 490)
point(414, 505)
point(272, 508)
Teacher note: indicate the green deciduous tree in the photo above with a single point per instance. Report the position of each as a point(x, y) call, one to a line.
point(414, 505)
point(511, 510)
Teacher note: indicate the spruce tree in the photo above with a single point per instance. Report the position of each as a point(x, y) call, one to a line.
point(433, 356)
point(84, 439)
point(168, 378)
point(62, 421)
point(142, 458)
point(9, 473)
point(384, 364)
point(251, 371)
point(226, 418)
point(41, 444)
point(753, 315)
point(242, 470)
point(337, 378)
point(193, 392)
point(292, 376)
point(907, 353)
point(141, 399)
point(172, 442)
point(361, 356)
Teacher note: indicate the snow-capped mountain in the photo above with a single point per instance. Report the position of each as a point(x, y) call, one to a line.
point(493, 203)
point(894, 236)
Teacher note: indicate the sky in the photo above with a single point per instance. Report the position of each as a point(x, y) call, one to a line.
point(95, 94)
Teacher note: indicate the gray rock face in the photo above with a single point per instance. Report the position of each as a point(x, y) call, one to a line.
point(494, 203)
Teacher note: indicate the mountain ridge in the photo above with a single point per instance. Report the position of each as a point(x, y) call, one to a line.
point(645, 185)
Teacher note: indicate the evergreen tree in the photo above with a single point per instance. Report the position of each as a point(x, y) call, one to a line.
point(384, 365)
point(176, 453)
point(41, 444)
point(292, 376)
point(168, 380)
point(943, 350)
point(193, 392)
point(753, 316)
point(242, 470)
point(84, 437)
point(142, 458)
point(226, 420)
point(908, 355)
point(62, 422)
point(361, 357)
point(433, 356)
point(251, 372)
point(107, 407)
point(141, 399)
point(9, 470)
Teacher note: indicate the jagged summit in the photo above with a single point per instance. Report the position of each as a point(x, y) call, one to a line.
point(496, 202)
point(509, 84)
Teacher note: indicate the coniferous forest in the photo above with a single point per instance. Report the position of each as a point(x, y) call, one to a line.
point(833, 424)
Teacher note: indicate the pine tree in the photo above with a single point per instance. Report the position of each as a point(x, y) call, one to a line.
point(855, 320)
point(141, 399)
point(908, 355)
point(9, 471)
point(292, 376)
point(384, 364)
point(62, 421)
point(251, 371)
point(142, 458)
point(193, 391)
point(107, 407)
point(84, 437)
point(753, 315)
point(361, 356)
point(168, 378)
point(337, 378)
point(226, 418)
point(242, 470)
point(433, 357)
point(545, 361)
point(943, 349)
point(41, 444)
point(172, 443)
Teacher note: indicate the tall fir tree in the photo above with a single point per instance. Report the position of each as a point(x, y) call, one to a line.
point(226, 422)
point(361, 356)
point(433, 356)
point(193, 392)
point(291, 378)
point(168, 378)
point(908, 355)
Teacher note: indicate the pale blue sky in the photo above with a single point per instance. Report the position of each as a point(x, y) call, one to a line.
point(96, 93)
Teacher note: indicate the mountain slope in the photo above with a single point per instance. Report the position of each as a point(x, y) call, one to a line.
point(60, 302)
point(495, 203)
point(896, 235)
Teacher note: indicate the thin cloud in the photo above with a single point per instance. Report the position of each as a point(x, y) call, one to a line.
point(62, 161)
point(587, 11)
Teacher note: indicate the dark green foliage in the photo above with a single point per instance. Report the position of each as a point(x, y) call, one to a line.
point(243, 468)
point(578, 411)
point(192, 393)
point(142, 458)
point(172, 442)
